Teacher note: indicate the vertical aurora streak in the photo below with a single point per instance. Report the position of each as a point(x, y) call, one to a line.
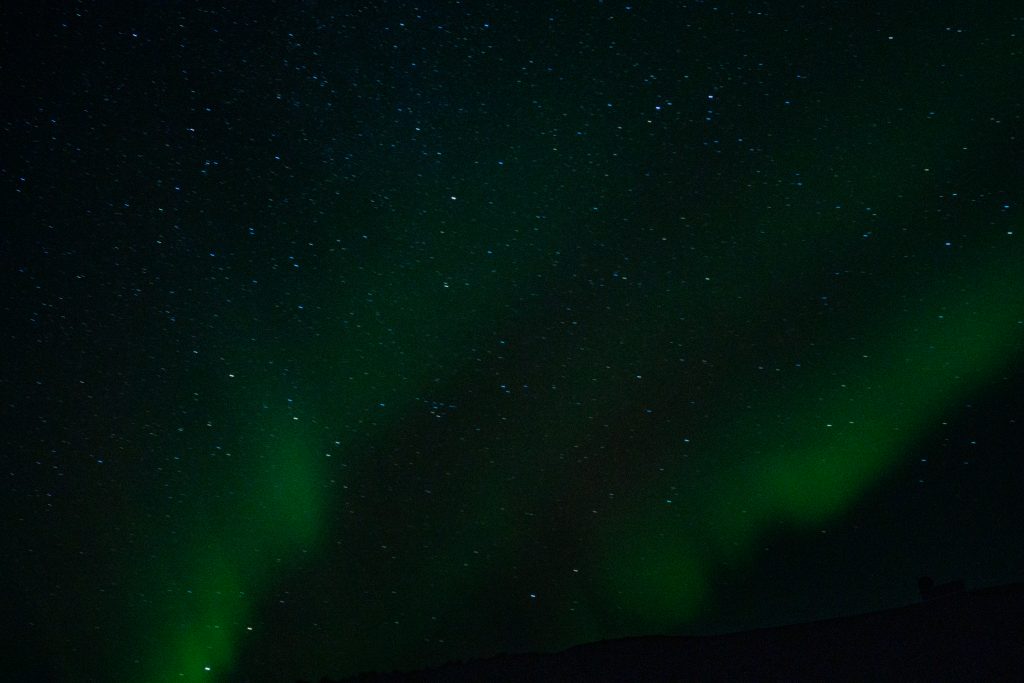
point(363, 337)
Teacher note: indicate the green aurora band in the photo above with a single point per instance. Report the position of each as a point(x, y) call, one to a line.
point(835, 441)
point(795, 458)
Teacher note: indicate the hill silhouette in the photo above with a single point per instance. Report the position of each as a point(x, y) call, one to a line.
point(952, 634)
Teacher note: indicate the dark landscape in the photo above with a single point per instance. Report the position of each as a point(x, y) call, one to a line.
point(344, 336)
point(958, 636)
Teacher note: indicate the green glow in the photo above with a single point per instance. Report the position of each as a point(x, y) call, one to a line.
point(282, 494)
point(655, 575)
point(208, 632)
point(670, 333)
point(836, 441)
point(238, 548)
point(933, 361)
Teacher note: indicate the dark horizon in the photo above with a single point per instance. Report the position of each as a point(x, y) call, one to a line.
point(366, 336)
point(959, 635)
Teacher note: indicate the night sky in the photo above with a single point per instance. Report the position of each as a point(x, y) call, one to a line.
point(341, 336)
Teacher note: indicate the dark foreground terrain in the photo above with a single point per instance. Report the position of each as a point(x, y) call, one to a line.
point(977, 635)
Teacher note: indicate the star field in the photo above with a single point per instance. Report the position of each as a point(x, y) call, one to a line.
point(355, 336)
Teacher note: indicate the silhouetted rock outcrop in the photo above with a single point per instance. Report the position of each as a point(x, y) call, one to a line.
point(929, 591)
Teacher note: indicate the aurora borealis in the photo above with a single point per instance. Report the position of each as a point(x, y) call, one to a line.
point(355, 336)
